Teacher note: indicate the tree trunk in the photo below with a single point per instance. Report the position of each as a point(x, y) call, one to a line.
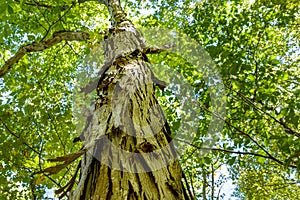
point(130, 152)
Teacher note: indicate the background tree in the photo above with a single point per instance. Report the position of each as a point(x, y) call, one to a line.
point(255, 45)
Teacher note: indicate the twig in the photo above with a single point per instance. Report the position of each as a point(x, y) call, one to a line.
point(235, 152)
point(256, 107)
point(15, 135)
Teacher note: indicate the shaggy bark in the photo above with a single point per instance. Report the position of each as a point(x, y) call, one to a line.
point(127, 132)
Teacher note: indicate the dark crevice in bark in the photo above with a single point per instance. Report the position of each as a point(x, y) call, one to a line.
point(168, 132)
point(174, 191)
point(110, 190)
point(108, 121)
point(130, 108)
point(88, 188)
point(139, 183)
point(153, 181)
point(131, 193)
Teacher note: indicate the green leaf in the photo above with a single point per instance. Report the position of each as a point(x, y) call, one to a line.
point(207, 160)
point(261, 160)
point(285, 76)
point(231, 161)
point(10, 9)
point(3, 9)
point(22, 2)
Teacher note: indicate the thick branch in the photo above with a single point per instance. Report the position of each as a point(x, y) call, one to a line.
point(157, 50)
point(153, 50)
point(36, 4)
point(33, 47)
point(47, 6)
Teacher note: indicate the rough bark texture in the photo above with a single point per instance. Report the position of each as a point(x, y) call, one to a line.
point(127, 132)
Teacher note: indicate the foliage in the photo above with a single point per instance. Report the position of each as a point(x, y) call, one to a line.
point(268, 183)
point(36, 95)
point(255, 45)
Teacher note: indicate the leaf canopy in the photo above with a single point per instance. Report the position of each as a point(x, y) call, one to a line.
point(254, 44)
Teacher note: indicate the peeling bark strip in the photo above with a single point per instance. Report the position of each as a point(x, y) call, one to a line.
point(33, 47)
point(130, 155)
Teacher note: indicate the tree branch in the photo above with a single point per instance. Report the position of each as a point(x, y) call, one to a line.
point(223, 150)
point(157, 50)
point(269, 156)
point(243, 133)
point(15, 135)
point(36, 4)
point(47, 6)
point(56, 38)
point(282, 123)
point(234, 152)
